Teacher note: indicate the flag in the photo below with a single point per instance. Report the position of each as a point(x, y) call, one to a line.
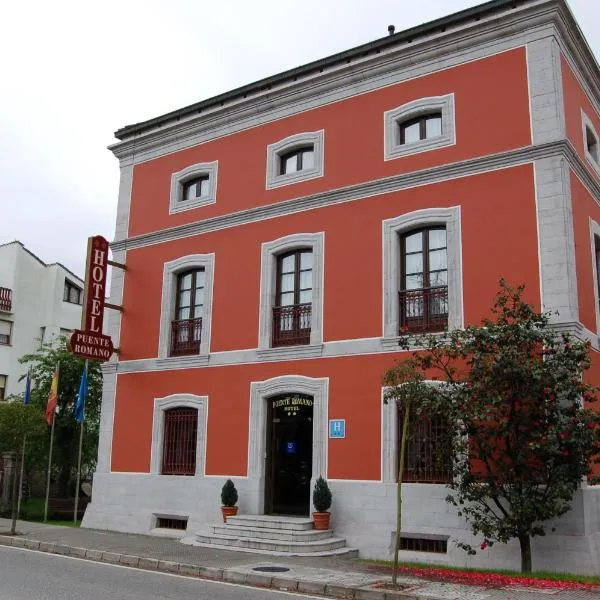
point(27, 398)
point(52, 398)
point(80, 401)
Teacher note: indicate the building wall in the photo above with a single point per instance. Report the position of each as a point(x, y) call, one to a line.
point(38, 309)
point(498, 105)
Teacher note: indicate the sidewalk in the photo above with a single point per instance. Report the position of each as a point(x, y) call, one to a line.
point(335, 577)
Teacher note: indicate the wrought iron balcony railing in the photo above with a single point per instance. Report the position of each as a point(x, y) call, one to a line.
point(5, 299)
point(185, 337)
point(424, 309)
point(291, 324)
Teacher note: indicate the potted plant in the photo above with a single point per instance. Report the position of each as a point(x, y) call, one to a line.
point(229, 497)
point(321, 502)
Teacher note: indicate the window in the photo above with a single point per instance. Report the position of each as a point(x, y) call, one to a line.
point(424, 544)
point(186, 307)
point(5, 299)
point(427, 454)
point(193, 187)
point(72, 293)
point(296, 158)
point(592, 144)
point(3, 379)
point(421, 128)
point(420, 125)
point(178, 435)
point(179, 441)
point(186, 328)
point(422, 272)
point(293, 299)
point(423, 295)
point(5, 332)
point(291, 296)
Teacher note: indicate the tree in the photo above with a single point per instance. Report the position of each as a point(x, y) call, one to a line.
point(17, 421)
point(522, 432)
point(66, 432)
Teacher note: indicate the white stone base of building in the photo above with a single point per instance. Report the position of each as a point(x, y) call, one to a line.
point(363, 513)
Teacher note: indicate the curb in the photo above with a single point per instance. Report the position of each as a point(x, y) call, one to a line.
point(259, 580)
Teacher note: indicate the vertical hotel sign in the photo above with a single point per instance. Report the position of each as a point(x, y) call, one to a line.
point(90, 342)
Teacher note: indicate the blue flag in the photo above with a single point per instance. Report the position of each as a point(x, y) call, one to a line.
point(80, 402)
point(27, 398)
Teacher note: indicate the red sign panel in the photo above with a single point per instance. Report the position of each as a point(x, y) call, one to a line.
point(90, 345)
point(95, 285)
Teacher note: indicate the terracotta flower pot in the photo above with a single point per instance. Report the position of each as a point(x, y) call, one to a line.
point(321, 520)
point(228, 511)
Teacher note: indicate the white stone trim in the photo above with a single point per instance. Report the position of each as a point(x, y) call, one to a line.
point(170, 271)
point(268, 274)
point(176, 204)
point(595, 232)
point(299, 140)
point(392, 228)
point(200, 403)
point(393, 118)
point(586, 123)
point(260, 391)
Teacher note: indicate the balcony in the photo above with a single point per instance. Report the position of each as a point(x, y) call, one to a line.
point(291, 325)
point(185, 337)
point(424, 310)
point(5, 299)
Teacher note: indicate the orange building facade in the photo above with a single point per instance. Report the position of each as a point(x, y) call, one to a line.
point(278, 237)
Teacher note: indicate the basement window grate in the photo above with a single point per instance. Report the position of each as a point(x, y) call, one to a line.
point(171, 523)
point(424, 545)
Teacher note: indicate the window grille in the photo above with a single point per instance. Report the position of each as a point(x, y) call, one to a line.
point(171, 523)
point(179, 442)
point(428, 454)
point(424, 545)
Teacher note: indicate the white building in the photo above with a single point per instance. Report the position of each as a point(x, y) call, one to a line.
point(39, 302)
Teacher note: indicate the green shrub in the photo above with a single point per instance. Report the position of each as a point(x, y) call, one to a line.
point(321, 495)
point(229, 495)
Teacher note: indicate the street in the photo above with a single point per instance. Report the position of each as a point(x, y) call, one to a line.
point(28, 575)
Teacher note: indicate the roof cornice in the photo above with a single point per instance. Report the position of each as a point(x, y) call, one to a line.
point(235, 110)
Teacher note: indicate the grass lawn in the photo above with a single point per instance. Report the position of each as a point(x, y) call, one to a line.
point(33, 510)
point(545, 579)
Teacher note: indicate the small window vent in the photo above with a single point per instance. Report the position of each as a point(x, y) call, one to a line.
point(424, 545)
point(172, 523)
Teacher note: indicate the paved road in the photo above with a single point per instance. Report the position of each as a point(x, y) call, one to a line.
point(27, 575)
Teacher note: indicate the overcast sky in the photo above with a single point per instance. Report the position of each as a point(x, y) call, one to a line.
point(73, 72)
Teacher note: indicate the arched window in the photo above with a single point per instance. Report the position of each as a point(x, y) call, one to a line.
point(423, 295)
point(197, 187)
point(179, 441)
point(186, 327)
point(423, 127)
point(293, 298)
point(299, 159)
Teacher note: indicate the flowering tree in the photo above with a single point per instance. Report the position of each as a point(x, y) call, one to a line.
point(518, 414)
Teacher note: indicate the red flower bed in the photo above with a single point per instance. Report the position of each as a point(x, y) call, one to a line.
point(490, 580)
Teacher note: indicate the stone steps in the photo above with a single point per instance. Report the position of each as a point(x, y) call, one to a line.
point(268, 533)
point(275, 535)
point(273, 545)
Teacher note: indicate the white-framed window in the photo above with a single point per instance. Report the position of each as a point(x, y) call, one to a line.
point(424, 243)
point(187, 286)
point(193, 187)
point(595, 248)
point(179, 435)
point(291, 279)
point(590, 142)
point(5, 332)
point(295, 158)
point(418, 126)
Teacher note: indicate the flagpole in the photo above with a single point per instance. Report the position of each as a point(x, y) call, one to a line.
point(78, 475)
point(79, 459)
point(50, 451)
point(21, 476)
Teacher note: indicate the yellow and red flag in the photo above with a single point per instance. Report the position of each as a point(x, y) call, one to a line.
point(52, 398)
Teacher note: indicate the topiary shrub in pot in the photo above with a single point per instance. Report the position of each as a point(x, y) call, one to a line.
point(229, 497)
point(321, 502)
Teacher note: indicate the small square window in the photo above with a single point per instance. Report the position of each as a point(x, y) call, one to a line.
point(72, 293)
point(193, 187)
point(592, 144)
point(5, 332)
point(297, 160)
